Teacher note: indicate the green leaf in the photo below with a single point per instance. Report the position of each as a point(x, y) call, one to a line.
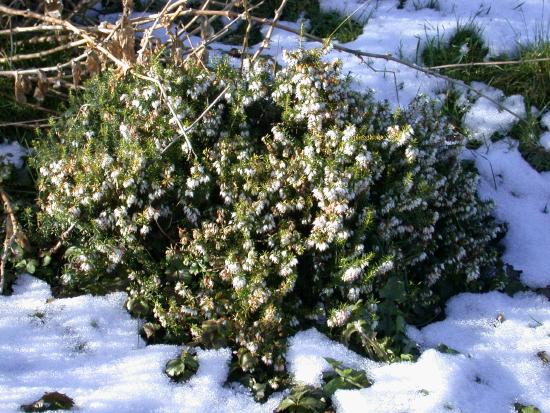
point(49, 401)
point(443, 348)
point(285, 404)
point(303, 399)
point(46, 260)
point(394, 289)
point(339, 383)
point(182, 368)
point(521, 408)
point(313, 404)
point(31, 267)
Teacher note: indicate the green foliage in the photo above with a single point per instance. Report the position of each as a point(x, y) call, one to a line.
point(301, 203)
point(303, 399)
point(294, 9)
point(343, 378)
point(466, 45)
point(48, 402)
point(401, 4)
point(325, 24)
point(183, 367)
point(443, 348)
point(318, 400)
point(521, 408)
point(335, 26)
point(530, 79)
point(528, 132)
point(426, 4)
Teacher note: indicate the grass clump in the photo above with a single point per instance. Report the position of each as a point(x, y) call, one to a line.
point(531, 79)
point(302, 203)
point(322, 23)
point(466, 45)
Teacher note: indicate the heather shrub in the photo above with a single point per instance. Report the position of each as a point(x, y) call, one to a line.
point(293, 202)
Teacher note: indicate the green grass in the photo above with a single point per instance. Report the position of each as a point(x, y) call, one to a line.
point(334, 25)
point(529, 79)
point(466, 45)
point(323, 23)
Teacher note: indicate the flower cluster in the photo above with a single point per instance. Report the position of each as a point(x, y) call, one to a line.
point(301, 202)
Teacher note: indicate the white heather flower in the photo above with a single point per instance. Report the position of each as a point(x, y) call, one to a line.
point(351, 274)
point(238, 283)
point(339, 318)
point(116, 255)
point(354, 294)
point(385, 267)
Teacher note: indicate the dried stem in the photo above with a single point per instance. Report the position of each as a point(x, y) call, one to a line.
point(267, 39)
point(69, 26)
point(495, 63)
point(44, 53)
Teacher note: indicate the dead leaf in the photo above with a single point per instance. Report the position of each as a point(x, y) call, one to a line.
point(12, 227)
point(19, 89)
point(77, 72)
point(53, 8)
point(122, 44)
point(41, 87)
point(93, 65)
point(127, 6)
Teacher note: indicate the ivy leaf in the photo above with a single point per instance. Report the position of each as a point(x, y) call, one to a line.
point(521, 408)
point(46, 260)
point(343, 378)
point(313, 404)
point(31, 266)
point(543, 355)
point(303, 399)
point(443, 348)
point(285, 405)
point(49, 401)
point(334, 363)
point(394, 289)
point(339, 383)
point(183, 367)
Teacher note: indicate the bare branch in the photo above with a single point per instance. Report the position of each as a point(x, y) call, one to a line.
point(44, 53)
point(495, 63)
point(267, 39)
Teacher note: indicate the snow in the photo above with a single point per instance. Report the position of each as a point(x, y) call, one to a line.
point(522, 200)
point(307, 352)
point(89, 349)
point(545, 120)
point(12, 152)
point(545, 137)
point(485, 119)
point(498, 365)
point(545, 140)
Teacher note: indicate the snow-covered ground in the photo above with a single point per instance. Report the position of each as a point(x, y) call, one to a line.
point(88, 347)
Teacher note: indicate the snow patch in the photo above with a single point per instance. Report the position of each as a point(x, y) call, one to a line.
point(88, 348)
point(13, 153)
point(498, 365)
point(522, 200)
